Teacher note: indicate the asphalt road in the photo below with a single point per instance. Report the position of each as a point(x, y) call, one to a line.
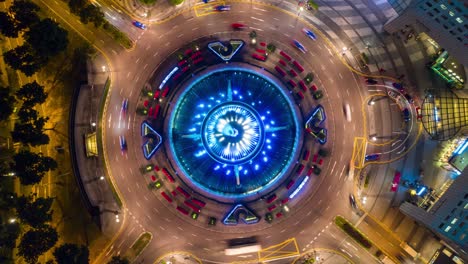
point(327, 195)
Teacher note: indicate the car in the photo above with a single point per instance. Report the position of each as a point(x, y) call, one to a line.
point(221, 8)
point(352, 201)
point(309, 33)
point(299, 46)
point(409, 98)
point(398, 86)
point(406, 114)
point(123, 144)
point(238, 26)
point(269, 217)
point(393, 94)
point(124, 107)
point(212, 221)
point(139, 25)
point(347, 112)
point(396, 181)
point(372, 157)
point(317, 95)
point(418, 113)
point(371, 81)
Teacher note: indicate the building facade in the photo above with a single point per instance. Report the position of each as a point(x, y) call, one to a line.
point(445, 21)
point(447, 217)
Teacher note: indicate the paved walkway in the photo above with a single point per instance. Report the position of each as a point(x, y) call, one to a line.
point(323, 256)
point(91, 169)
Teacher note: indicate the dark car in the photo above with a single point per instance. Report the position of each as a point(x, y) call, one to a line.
point(372, 157)
point(352, 201)
point(409, 98)
point(406, 115)
point(139, 25)
point(371, 81)
point(238, 26)
point(123, 144)
point(221, 8)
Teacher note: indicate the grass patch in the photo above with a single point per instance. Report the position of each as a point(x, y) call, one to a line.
point(99, 141)
point(118, 35)
point(312, 4)
point(176, 2)
point(366, 180)
point(139, 245)
point(355, 234)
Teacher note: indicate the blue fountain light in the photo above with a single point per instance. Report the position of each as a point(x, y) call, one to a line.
point(233, 132)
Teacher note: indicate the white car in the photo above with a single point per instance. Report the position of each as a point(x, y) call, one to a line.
point(347, 112)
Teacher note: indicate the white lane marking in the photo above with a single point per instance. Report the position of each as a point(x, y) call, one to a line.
point(258, 29)
point(180, 35)
point(259, 19)
point(156, 53)
point(277, 19)
point(162, 228)
point(146, 198)
point(138, 204)
point(137, 60)
point(149, 217)
point(195, 28)
point(146, 65)
point(110, 118)
point(256, 8)
point(341, 76)
point(167, 44)
point(180, 228)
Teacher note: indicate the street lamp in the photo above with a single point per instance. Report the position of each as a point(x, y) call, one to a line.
point(93, 124)
point(101, 178)
point(12, 220)
point(103, 68)
point(374, 138)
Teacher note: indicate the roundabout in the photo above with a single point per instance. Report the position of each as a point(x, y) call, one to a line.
point(243, 147)
point(233, 132)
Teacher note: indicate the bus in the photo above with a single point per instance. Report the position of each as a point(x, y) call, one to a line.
point(238, 246)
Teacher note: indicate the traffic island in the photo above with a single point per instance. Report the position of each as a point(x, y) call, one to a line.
point(138, 246)
point(355, 234)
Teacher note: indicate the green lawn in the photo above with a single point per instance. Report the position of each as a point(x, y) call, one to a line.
point(148, 2)
point(355, 234)
point(139, 245)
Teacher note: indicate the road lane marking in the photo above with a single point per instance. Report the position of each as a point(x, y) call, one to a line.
point(180, 35)
point(256, 8)
point(156, 53)
point(277, 19)
point(341, 76)
point(195, 28)
point(258, 29)
point(259, 19)
point(138, 204)
point(146, 65)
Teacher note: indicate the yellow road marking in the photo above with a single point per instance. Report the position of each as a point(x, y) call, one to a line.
point(207, 9)
point(359, 152)
point(280, 250)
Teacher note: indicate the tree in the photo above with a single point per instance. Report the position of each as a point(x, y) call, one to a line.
point(9, 232)
point(77, 5)
point(118, 260)
point(27, 114)
point(35, 242)
point(71, 254)
point(7, 102)
point(31, 167)
point(32, 94)
point(34, 213)
point(25, 15)
point(8, 26)
point(47, 38)
point(31, 133)
point(93, 14)
point(24, 58)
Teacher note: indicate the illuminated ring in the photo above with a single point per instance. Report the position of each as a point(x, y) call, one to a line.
point(232, 133)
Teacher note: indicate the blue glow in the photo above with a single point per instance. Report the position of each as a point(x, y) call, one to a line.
point(153, 141)
point(217, 126)
point(167, 77)
point(298, 189)
point(421, 190)
point(461, 148)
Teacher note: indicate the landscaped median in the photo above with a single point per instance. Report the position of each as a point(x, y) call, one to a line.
point(138, 246)
point(355, 234)
point(118, 35)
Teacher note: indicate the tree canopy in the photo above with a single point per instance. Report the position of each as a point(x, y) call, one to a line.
point(34, 213)
point(118, 260)
point(8, 25)
point(47, 38)
point(25, 15)
point(32, 94)
point(35, 242)
point(31, 133)
point(77, 5)
point(24, 59)
point(9, 232)
point(31, 167)
point(71, 254)
point(7, 102)
point(92, 13)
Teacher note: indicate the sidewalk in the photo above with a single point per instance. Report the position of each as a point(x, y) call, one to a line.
point(90, 169)
point(322, 256)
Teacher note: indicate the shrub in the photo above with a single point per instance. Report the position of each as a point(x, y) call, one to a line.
point(176, 2)
point(271, 48)
point(309, 78)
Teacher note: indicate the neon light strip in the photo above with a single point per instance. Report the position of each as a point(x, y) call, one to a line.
point(421, 191)
point(461, 147)
point(298, 189)
point(167, 77)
